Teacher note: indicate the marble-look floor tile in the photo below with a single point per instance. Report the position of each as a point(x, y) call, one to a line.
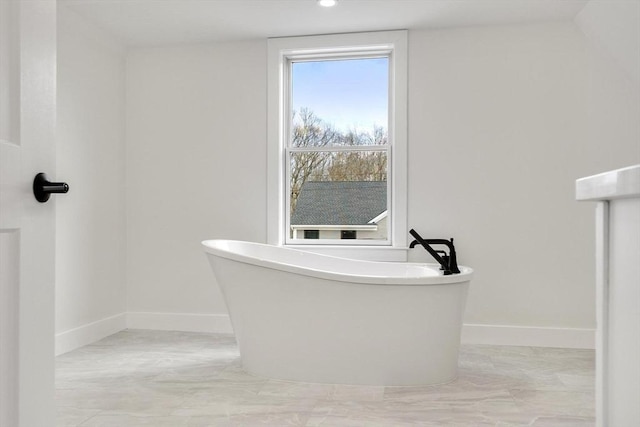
point(159, 378)
point(297, 390)
point(286, 411)
point(573, 382)
point(127, 420)
point(68, 416)
point(270, 420)
point(133, 399)
point(563, 421)
point(555, 403)
point(358, 393)
point(392, 414)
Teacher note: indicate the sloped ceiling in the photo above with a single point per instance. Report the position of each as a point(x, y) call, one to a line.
point(614, 26)
point(163, 22)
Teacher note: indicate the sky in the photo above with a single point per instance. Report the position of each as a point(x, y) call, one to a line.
point(350, 94)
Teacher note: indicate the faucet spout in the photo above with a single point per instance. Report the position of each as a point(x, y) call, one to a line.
point(448, 263)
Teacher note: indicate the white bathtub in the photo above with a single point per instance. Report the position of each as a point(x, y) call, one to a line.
point(307, 317)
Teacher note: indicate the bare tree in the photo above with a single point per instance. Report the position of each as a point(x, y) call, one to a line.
point(358, 166)
point(361, 165)
point(308, 131)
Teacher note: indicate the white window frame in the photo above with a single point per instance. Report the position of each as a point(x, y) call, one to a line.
point(280, 52)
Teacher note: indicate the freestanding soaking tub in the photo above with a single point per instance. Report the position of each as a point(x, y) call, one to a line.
point(307, 317)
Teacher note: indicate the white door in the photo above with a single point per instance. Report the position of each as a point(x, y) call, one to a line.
point(27, 227)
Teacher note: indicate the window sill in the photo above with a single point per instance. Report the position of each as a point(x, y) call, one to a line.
point(365, 253)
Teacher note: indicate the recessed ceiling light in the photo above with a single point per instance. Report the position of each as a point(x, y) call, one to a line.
point(327, 3)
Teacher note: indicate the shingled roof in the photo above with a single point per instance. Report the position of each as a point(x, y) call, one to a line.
point(340, 202)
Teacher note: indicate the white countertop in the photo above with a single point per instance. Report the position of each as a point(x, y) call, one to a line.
point(616, 184)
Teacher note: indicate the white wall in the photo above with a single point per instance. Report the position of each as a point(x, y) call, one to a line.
point(612, 29)
point(90, 246)
point(497, 120)
point(497, 138)
point(196, 169)
point(501, 123)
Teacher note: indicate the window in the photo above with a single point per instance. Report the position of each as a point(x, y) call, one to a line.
point(311, 234)
point(348, 234)
point(336, 145)
point(337, 140)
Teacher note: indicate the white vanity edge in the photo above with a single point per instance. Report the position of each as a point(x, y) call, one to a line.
point(615, 184)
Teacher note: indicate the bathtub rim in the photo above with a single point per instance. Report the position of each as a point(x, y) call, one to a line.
point(465, 275)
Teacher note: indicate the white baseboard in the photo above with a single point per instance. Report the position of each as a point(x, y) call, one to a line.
point(529, 336)
point(218, 323)
point(89, 333)
point(471, 333)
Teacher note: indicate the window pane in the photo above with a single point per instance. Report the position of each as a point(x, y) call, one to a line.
point(311, 234)
point(340, 102)
point(338, 192)
point(348, 234)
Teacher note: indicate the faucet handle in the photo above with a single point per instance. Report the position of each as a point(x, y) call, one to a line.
point(445, 258)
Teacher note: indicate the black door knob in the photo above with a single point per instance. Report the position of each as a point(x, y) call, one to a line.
point(42, 188)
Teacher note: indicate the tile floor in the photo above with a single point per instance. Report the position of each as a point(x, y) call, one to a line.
point(154, 378)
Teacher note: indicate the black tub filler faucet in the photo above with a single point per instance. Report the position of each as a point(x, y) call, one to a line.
point(448, 262)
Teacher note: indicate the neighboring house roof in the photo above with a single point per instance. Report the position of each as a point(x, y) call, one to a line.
point(340, 202)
